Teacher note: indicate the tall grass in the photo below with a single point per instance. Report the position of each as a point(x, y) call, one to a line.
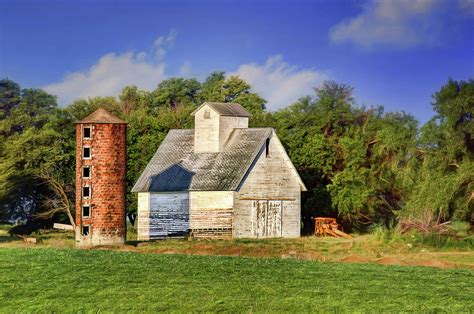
point(457, 238)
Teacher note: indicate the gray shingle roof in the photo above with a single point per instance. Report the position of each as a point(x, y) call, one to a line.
point(226, 109)
point(175, 166)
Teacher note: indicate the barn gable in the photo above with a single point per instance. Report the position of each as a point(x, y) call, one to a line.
point(268, 203)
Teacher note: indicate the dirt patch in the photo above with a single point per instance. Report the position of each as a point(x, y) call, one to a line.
point(390, 261)
point(433, 263)
point(165, 251)
point(202, 247)
point(354, 259)
point(127, 248)
point(230, 251)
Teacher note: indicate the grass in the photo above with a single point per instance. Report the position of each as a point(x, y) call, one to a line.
point(69, 280)
point(376, 248)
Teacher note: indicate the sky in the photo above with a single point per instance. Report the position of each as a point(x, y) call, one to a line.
point(395, 53)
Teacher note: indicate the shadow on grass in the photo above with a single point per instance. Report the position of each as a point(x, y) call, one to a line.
point(7, 238)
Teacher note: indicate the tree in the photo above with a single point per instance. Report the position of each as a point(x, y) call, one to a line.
point(9, 97)
point(443, 168)
point(175, 91)
point(132, 99)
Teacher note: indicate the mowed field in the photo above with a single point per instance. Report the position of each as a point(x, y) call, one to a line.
point(70, 280)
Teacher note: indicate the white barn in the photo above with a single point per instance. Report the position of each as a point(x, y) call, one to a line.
point(221, 179)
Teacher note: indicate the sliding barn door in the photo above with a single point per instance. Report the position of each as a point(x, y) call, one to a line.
point(267, 218)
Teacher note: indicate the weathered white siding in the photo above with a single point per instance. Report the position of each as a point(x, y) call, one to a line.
point(143, 210)
point(210, 210)
point(227, 124)
point(162, 214)
point(212, 130)
point(269, 204)
point(206, 128)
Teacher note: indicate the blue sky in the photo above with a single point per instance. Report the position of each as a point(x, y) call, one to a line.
point(395, 53)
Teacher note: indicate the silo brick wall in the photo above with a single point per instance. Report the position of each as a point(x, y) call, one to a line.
point(107, 182)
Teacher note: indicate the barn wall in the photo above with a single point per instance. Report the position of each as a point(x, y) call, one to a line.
point(162, 214)
point(211, 213)
point(143, 230)
point(206, 136)
point(273, 189)
point(211, 133)
point(227, 125)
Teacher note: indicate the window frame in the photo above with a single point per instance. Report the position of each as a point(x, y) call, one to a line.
point(83, 152)
point(84, 133)
point(90, 211)
point(90, 191)
point(90, 172)
point(88, 230)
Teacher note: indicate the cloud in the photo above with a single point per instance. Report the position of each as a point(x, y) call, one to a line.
point(278, 82)
point(401, 23)
point(467, 6)
point(112, 72)
point(162, 44)
point(185, 69)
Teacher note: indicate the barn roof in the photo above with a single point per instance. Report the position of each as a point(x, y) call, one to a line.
point(175, 166)
point(101, 116)
point(225, 109)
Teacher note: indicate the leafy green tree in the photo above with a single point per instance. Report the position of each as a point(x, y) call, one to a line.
point(9, 97)
point(218, 88)
point(175, 91)
point(35, 142)
point(132, 99)
point(445, 163)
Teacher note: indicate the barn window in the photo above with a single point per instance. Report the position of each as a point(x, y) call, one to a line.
point(86, 172)
point(207, 114)
point(267, 147)
point(87, 132)
point(86, 230)
point(86, 210)
point(86, 191)
point(86, 152)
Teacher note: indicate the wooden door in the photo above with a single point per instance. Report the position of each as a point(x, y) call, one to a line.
point(274, 219)
point(267, 218)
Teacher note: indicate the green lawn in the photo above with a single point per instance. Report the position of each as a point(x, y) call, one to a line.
point(89, 281)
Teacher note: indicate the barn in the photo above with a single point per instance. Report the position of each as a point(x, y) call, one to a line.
point(220, 179)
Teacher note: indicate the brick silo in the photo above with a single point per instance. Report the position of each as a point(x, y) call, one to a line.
point(101, 168)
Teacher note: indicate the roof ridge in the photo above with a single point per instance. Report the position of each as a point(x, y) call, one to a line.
point(101, 116)
point(225, 109)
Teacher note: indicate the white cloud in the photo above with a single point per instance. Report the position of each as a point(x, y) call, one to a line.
point(112, 72)
point(185, 69)
point(107, 77)
point(162, 44)
point(401, 23)
point(278, 82)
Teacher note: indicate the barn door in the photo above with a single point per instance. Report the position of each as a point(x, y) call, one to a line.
point(274, 219)
point(267, 218)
